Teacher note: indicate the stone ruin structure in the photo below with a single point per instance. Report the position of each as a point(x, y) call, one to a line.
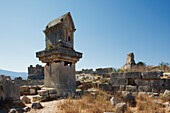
point(8, 89)
point(36, 73)
point(102, 71)
point(138, 81)
point(130, 62)
point(59, 54)
point(98, 71)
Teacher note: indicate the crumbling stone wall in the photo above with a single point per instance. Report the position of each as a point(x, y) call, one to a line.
point(22, 82)
point(130, 62)
point(8, 89)
point(137, 81)
point(98, 71)
point(85, 71)
point(101, 71)
point(165, 84)
point(36, 73)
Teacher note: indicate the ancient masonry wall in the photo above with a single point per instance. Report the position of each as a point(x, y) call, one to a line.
point(36, 73)
point(8, 89)
point(21, 82)
point(137, 81)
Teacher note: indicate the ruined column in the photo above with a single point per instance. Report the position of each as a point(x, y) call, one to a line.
point(130, 62)
point(59, 54)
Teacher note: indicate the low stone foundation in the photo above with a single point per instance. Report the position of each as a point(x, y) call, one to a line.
point(137, 81)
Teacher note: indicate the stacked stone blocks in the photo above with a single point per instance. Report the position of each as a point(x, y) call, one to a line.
point(137, 81)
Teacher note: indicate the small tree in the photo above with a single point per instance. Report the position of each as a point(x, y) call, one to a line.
point(163, 65)
point(141, 64)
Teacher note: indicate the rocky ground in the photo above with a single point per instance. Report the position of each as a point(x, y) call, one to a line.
point(48, 107)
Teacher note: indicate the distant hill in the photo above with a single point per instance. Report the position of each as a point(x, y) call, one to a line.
point(13, 74)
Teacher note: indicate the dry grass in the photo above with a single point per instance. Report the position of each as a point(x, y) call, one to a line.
point(147, 105)
point(88, 104)
point(101, 103)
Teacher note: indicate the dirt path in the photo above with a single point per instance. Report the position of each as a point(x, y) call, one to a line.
point(49, 107)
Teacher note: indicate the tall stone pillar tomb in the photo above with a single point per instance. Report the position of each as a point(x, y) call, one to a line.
point(59, 54)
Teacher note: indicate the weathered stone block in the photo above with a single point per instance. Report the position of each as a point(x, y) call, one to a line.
point(43, 92)
point(61, 77)
point(105, 87)
point(32, 91)
point(122, 88)
point(117, 75)
point(121, 107)
point(118, 81)
point(53, 96)
point(141, 82)
point(115, 87)
point(152, 75)
point(36, 105)
point(26, 100)
point(144, 89)
point(133, 75)
point(131, 88)
point(8, 89)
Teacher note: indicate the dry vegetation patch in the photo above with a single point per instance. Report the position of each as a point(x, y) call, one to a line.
point(147, 105)
point(101, 103)
point(88, 104)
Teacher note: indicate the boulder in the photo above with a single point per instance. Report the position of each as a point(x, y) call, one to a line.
point(125, 92)
point(36, 105)
point(113, 101)
point(115, 87)
point(166, 93)
point(122, 88)
point(130, 99)
point(105, 87)
point(32, 91)
point(26, 109)
point(13, 110)
point(26, 100)
point(159, 103)
point(121, 107)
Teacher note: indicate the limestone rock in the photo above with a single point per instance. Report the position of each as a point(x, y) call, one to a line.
point(121, 107)
point(26, 100)
point(36, 105)
point(130, 99)
point(43, 92)
point(166, 93)
point(105, 87)
point(13, 110)
point(131, 88)
point(26, 109)
point(113, 101)
point(157, 102)
point(32, 91)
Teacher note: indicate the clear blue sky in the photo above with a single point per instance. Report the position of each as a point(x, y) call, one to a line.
point(106, 31)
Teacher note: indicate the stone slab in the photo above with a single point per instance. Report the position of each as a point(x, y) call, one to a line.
point(133, 75)
point(152, 75)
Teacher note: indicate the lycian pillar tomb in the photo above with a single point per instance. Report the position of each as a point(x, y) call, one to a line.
point(59, 54)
